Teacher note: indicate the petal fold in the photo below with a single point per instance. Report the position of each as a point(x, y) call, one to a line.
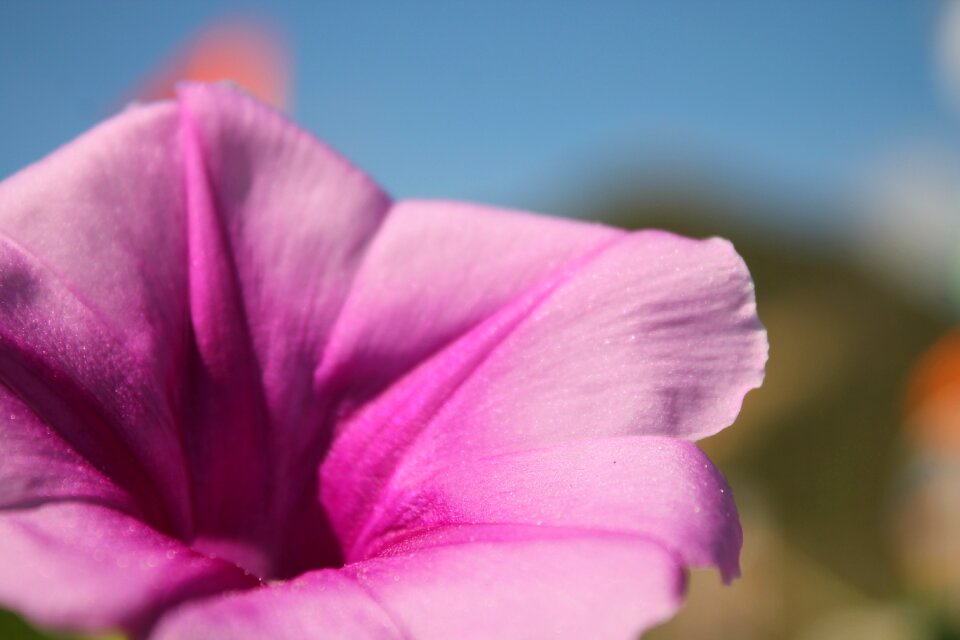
point(92, 303)
point(277, 225)
point(646, 334)
point(322, 604)
point(433, 272)
point(661, 489)
point(38, 466)
point(87, 568)
point(519, 586)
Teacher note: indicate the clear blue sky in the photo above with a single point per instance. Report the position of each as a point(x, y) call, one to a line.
point(516, 102)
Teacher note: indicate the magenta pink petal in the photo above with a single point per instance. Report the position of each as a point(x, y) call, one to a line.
point(434, 271)
point(520, 586)
point(661, 489)
point(108, 355)
point(92, 292)
point(87, 568)
point(278, 223)
point(647, 334)
point(320, 604)
point(38, 466)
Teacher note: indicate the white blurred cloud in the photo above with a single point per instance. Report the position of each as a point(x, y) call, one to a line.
point(910, 227)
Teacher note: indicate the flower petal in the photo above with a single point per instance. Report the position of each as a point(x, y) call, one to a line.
point(92, 302)
point(434, 271)
point(661, 489)
point(647, 334)
point(88, 568)
point(321, 604)
point(38, 466)
point(504, 584)
point(167, 284)
point(93, 333)
point(277, 224)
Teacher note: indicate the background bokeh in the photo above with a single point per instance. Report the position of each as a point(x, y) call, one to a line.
point(822, 137)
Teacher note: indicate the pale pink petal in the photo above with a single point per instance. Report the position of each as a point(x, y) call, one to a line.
point(433, 272)
point(277, 225)
point(167, 283)
point(93, 302)
point(323, 604)
point(647, 334)
point(38, 465)
point(87, 568)
point(93, 333)
point(662, 489)
point(468, 583)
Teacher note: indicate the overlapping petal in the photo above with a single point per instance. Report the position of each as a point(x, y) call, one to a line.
point(433, 272)
point(83, 567)
point(660, 489)
point(92, 301)
point(276, 225)
point(151, 300)
point(645, 334)
point(471, 584)
point(38, 466)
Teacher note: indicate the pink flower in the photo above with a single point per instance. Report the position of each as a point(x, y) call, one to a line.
point(245, 395)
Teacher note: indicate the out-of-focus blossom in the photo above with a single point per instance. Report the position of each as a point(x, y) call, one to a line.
point(245, 52)
point(245, 395)
point(933, 398)
point(927, 526)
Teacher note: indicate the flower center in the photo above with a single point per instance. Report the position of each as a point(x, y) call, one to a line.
point(308, 543)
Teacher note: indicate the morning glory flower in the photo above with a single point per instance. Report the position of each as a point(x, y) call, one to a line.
point(246, 395)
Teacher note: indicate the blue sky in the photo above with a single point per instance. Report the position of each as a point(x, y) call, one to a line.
point(525, 103)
